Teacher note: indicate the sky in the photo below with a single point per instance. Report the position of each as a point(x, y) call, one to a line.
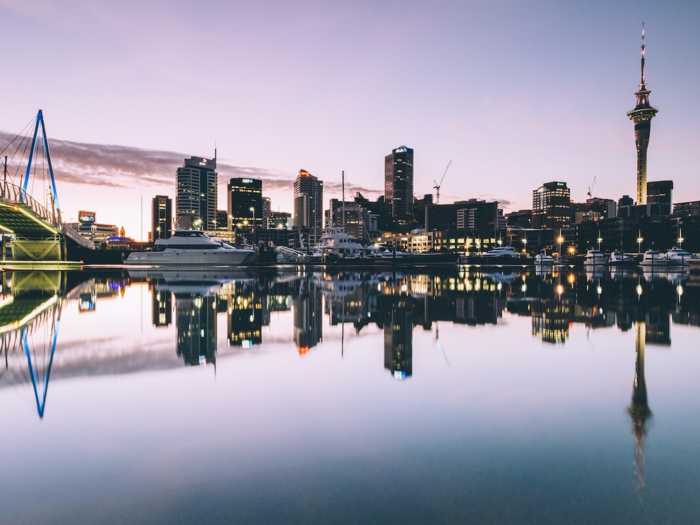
point(514, 93)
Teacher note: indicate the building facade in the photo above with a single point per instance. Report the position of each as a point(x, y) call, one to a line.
point(244, 203)
point(308, 201)
point(197, 194)
point(161, 217)
point(660, 197)
point(551, 206)
point(398, 188)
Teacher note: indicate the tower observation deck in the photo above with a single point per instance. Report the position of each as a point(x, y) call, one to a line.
point(641, 115)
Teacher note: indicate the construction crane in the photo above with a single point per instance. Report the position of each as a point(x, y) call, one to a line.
point(590, 188)
point(437, 186)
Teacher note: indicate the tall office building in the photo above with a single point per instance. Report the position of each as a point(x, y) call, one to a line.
point(398, 188)
point(551, 206)
point(161, 217)
point(244, 202)
point(197, 194)
point(641, 115)
point(308, 201)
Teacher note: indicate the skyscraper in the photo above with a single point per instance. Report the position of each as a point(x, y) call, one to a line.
point(551, 206)
point(641, 115)
point(398, 188)
point(308, 201)
point(161, 217)
point(197, 193)
point(244, 202)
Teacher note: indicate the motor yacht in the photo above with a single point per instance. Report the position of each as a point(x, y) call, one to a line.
point(678, 257)
point(652, 259)
point(501, 251)
point(595, 258)
point(192, 247)
point(542, 259)
point(503, 255)
point(619, 258)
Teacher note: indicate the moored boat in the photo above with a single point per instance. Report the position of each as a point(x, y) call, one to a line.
point(652, 259)
point(595, 258)
point(192, 247)
point(620, 259)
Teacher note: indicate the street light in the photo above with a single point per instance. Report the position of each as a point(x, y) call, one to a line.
point(560, 240)
point(600, 239)
point(524, 244)
point(680, 241)
point(639, 244)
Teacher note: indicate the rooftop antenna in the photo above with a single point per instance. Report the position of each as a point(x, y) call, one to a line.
point(437, 186)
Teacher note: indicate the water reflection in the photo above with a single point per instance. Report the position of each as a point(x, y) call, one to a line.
point(639, 409)
point(393, 303)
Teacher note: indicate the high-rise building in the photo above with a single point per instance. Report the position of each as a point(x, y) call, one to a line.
point(660, 197)
point(605, 208)
point(686, 209)
point(266, 212)
point(197, 194)
point(244, 203)
point(551, 206)
point(398, 188)
point(308, 201)
point(641, 115)
point(161, 217)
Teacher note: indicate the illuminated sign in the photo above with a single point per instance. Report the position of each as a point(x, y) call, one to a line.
point(86, 216)
point(247, 181)
point(402, 149)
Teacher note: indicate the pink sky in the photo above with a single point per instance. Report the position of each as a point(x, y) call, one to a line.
point(514, 93)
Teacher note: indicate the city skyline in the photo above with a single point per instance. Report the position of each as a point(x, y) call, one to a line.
point(566, 74)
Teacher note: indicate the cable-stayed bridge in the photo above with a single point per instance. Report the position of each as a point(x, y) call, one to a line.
point(37, 229)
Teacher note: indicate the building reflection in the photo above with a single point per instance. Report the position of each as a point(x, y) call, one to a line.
point(196, 328)
point(639, 408)
point(398, 336)
point(308, 318)
point(247, 313)
point(161, 308)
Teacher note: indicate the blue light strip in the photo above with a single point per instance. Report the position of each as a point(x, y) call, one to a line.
point(39, 117)
point(40, 403)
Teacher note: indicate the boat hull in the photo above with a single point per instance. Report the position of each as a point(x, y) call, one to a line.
point(190, 258)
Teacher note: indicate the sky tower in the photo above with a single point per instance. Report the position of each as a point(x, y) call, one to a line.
point(641, 115)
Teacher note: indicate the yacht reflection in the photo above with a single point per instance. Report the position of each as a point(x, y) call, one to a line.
point(639, 409)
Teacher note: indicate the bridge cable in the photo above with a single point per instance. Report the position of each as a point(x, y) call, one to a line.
point(18, 135)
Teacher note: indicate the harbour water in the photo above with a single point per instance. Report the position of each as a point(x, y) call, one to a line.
point(294, 396)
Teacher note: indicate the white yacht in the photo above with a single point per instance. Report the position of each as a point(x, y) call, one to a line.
point(618, 258)
point(542, 259)
point(678, 257)
point(336, 242)
point(652, 259)
point(501, 251)
point(595, 258)
point(192, 247)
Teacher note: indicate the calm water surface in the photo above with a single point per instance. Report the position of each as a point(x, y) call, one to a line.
point(297, 397)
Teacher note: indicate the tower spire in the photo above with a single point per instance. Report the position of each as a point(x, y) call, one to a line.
point(643, 85)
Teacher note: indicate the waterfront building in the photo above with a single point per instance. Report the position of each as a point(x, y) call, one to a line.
point(480, 215)
point(641, 115)
point(687, 209)
point(356, 218)
point(520, 218)
point(308, 201)
point(161, 217)
point(398, 188)
point(623, 205)
point(604, 208)
point(280, 220)
point(660, 197)
point(197, 194)
point(88, 227)
point(551, 206)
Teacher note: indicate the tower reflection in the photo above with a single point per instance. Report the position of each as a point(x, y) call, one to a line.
point(639, 409)
point(308, 322)
point(398, 336)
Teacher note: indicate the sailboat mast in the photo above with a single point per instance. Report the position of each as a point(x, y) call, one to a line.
point(343, 185)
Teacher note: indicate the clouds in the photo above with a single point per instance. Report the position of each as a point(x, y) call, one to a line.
point(128, 167)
